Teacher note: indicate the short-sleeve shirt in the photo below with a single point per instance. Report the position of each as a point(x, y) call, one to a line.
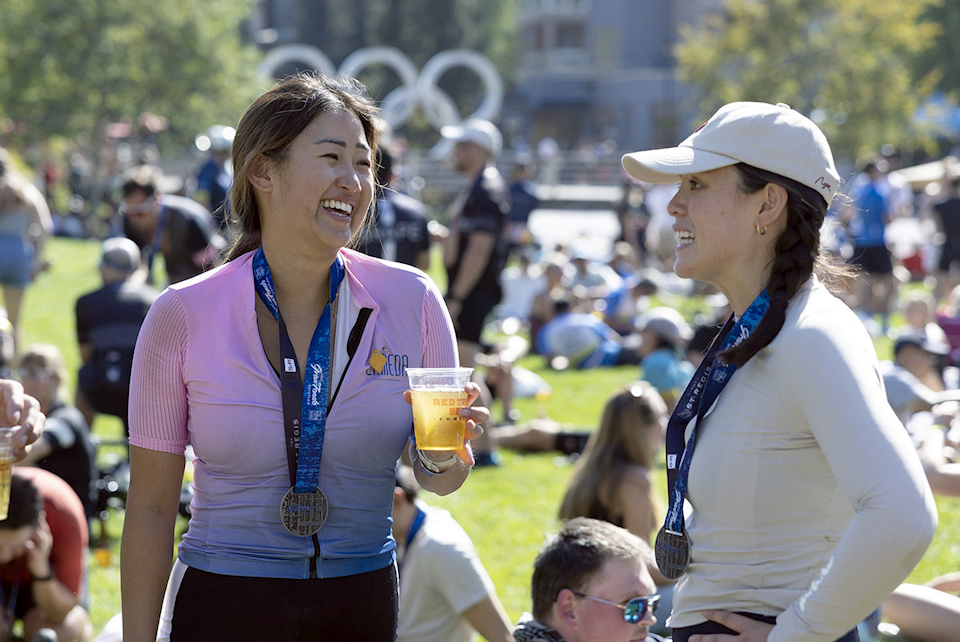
point(109, 320)
point(72, 456)
point(441, 577)
point(902, 388)
point(201, 377)
point(485, 210)
point(68, 528)
point(665, 372)
point(868, 226)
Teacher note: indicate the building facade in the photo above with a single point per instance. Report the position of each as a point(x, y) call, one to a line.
point(595, 70)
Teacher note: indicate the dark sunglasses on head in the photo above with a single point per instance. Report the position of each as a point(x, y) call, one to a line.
point(633, 610)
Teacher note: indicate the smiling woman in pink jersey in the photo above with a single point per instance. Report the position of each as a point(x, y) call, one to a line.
point(285, 369)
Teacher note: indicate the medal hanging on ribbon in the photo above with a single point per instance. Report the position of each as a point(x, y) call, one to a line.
point(672, 546)
point(304, 508)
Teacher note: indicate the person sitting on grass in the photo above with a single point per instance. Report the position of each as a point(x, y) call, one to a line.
point(43, 543)
point(445, 592)
point(580, 340)
point(65, 448)
point(931, 612)
point(591, 584)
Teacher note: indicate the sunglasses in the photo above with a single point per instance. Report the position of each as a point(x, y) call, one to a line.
point(136, 210)
point(633, 610)
point(31, 374)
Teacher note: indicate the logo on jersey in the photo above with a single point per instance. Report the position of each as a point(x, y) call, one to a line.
point(383, 362)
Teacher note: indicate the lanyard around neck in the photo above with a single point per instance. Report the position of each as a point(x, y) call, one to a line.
point(304, 402)
point(702, 391)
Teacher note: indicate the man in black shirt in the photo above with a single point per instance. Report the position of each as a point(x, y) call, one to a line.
point(474, 252)
point(179, 228)
point(108, 322)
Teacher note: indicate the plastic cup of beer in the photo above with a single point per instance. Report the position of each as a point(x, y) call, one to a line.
point(6, 465)
point(438, 396)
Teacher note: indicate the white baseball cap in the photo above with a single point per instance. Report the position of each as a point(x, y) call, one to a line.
point(774, 138)
point(476, 130)
point(121, 254)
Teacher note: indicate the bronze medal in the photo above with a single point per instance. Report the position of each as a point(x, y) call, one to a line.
point(303, 514)
point(672, 550)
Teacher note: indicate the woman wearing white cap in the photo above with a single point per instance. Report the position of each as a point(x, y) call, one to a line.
point(804, 504)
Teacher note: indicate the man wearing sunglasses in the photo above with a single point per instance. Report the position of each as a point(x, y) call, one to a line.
point(591, 584)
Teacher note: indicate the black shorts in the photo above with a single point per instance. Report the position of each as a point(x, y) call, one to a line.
point(571, 443)
point(211, 608)
point(683, 634)
point(473, 315)
point(108, 402)
point(873, 260)
point(24, 601)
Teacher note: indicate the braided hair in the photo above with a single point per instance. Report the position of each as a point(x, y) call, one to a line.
point(797, 256)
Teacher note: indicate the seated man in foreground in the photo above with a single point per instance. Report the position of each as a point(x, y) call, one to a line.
point(591, 584)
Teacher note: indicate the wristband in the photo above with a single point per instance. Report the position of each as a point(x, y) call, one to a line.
point(46, 578)
point(437, 466)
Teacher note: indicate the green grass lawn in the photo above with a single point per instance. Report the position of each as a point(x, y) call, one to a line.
point(506, 510)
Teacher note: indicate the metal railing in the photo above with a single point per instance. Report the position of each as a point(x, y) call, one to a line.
point(569, 180)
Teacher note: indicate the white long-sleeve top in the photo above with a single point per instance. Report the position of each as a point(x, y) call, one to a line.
point(806, 498)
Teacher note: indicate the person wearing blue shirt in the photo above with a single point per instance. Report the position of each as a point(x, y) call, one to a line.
point(579, 339)
point(868, 220)
point(665, 334)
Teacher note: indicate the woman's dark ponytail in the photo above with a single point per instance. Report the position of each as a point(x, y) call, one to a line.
point(797, 256)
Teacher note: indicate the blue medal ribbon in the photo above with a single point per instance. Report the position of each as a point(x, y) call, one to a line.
point(699, 396)
point(415, 527)
point(305, 421)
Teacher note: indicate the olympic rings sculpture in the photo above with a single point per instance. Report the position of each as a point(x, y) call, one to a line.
point(416, 89)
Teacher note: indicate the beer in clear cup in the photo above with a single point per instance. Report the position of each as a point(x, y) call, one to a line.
point(438, 397)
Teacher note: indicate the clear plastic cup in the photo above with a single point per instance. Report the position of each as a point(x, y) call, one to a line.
point(6, 465)
point(438, 396)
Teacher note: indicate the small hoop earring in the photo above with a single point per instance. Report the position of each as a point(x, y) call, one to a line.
point(760, 231)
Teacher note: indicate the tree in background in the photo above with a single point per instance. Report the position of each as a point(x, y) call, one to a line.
point(70, 68)
point(942, 59)
point(846, 63)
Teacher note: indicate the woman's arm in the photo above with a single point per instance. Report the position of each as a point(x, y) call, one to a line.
point(949, 583)
point(158, 436)
point(146, 550)
point(829, 381)
point(944, 477)
point(636, 504)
